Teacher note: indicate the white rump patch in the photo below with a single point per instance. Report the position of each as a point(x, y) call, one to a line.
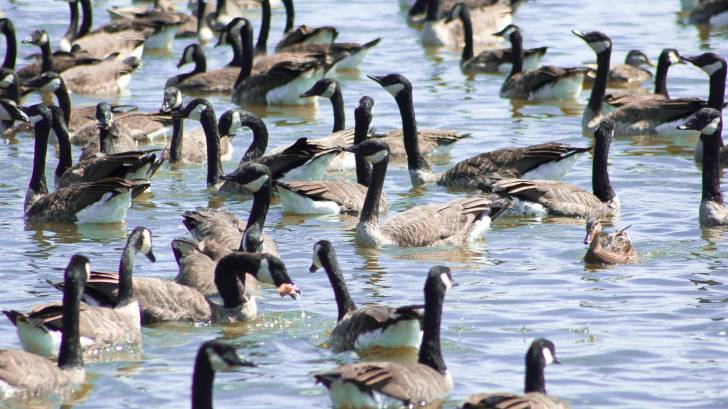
point(478, 229)
point(552, 170)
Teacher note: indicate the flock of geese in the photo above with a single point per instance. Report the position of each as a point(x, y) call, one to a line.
point(232, 260)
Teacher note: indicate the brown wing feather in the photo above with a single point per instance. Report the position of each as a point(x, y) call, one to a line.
point(64, 203)
point(559, 198)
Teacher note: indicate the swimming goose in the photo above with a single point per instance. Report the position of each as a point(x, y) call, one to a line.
point(57, 62)
point(647, 116)
point(372, 326)
point(549, 160)
point(629, 73)
point(540, 354)
point(9, 100)
point(709, 123)
point(614, 248)
point(166, 301)
point(108, 328)
point(212, 356)
point(452, 223)
point(107, 40)
point(384, 384)
point(713, 12)
point(11, 44)
point(103, 201)
point(112, 139)
point(303, 34)
point(668, 56)
point(334, 196)
point(25, 374)
point(497, 60)
point(108, 77)
point(162, 17)
point(282, 84)
point(488, 15)
point(199, 80)
point(545, 82)
point(541, 197)
point(429, 140)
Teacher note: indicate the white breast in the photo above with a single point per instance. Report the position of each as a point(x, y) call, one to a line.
point(289, 94)
point(107, 210)
point(565, 88)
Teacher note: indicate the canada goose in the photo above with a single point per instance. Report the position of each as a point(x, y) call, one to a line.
point(715, 67)
point(489, 16)
point(303, 34)
point(111, 138)
point(166, 301)
point(9, 100)
point(452, 223)
point(334, 196)
point(541, 197)
point(545, 82)
point(709, 123)
point(668, 56)
point(56, 62)
point(108, 77)
point(282, 84)
point(162, 17)
point(346, 55)
point(109, 40)
point(383, 384)
point(615, 248)
point(11, 44)
point(499, 60)
point(199, 80)
point(212, 356)
point(713, 12)
point(651, 115)
point(26, 374)
point(188, 147)
point(102, 328)
point(629, 73)
point(103, 201)
point(549, 160)
point(540, 354)
point(429, 140)
point(370, 326)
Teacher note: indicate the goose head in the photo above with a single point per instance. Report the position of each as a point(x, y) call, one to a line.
point(637, 58)
point(140, 240)
point(363, 111)
point(598, 41)
point(325, 88)
point(252, 176)
point(172, 100)
point(542, 353)
point(104, 115)
point(439, 280)
point(321, 251)
point(604, 131)
point(372, 150)
point(395, 84)
point(706, 121)
point(508, 32)
point(77, 272)
point(670, 56)
point(191, 54)
point(710, 62)
point(234, 119)
point(37, 37)
point(229, 32)
point(222, 356)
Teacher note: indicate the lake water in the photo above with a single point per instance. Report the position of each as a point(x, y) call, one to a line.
point(646, 335)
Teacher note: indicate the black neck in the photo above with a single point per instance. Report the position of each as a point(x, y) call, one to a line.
point(433, 7)
point(64, 102)
point(430, 353)
point(69, 354)
point(246, 41)
point(230, 277)
point(337, 103)
point(661, 75)
point(234, 40)
point(290, 15)
point(200, 14)
point(259, 209)
point(262, 44)
point(220, 8)
point(175, 147)
point(70, 34)
point(711, 166)
point(468, 32)
point(260, 140)
point(38, 180)
point(600, 177)
point(65, 160)
point(516, 52)
point(126, 264)
point(344, 302)
point(46, 58)
point(599, 89)
point(212, 138)
point(104, 136)
point(534, 373)
point(419, 7)
point(361, 131)
point(415, 160)
point(717, 89)
point(203, 377)
point(370, 208)
point(87, 20)
point(11, 46)
point(12, 92)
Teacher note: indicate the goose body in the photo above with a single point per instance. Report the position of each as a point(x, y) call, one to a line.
point(541, 197)
point(212, 356)
point(111, 137)
point(109, 77)
point(369, 326)
point(52, 62)
point(543, 83)
point(162, 18)
point(103, 329)
point(26, 375)
point(541, 353)
point(386, 384)
point(550, 160)
point(606, 249)
point(488, 16)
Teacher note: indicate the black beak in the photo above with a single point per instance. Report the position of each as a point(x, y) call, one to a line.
point(376, 78)
point(579, 34)
point(313, 268)
point(151, 257)
point(691, 60)
point(309, 93)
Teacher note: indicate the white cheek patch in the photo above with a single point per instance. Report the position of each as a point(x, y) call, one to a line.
point(44, 38)
point(188, 55)
point(255, 185)
point(217, 363)
point(235, 123)
point(446, 280)
point(197, 111)
point(377, 157)
point(394, 89)
point(316, 259)
point(711, 68)
point(87, 268)
point(6, 82)
point(548, 356)
point(52, 85)
point(674, 58)
point(711, 127)
point(263, 273)
point(599, 46)
point(330, 90)
point(146, 241)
